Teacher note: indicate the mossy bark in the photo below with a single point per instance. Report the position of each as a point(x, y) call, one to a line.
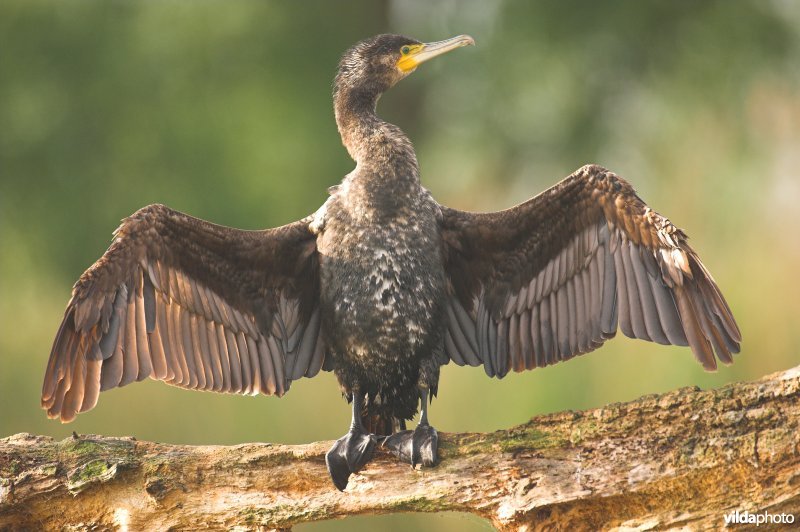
point(684, 458)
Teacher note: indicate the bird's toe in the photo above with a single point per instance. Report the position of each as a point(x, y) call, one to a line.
point(417, 447)
point(425, 446)
point(337, 466)
point(399, 444)
point(349, 455)
point(359, 450)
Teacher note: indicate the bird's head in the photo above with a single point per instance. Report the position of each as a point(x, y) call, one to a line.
point(374, 65)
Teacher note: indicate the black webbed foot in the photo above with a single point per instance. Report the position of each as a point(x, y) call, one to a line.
point(349, 455)
point(399, 444)
point(420, 446)
point(425, 446)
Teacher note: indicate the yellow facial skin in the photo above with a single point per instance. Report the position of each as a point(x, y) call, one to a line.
point(408, 62)
point(413, 55)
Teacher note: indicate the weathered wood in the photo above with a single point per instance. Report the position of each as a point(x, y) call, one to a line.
point(684, 458)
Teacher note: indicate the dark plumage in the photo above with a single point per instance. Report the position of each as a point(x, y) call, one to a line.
point(382, 285)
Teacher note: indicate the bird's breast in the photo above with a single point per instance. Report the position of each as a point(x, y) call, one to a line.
point(382, 284)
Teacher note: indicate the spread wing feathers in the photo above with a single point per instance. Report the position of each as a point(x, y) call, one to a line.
point(193, 304)
point(555, 276)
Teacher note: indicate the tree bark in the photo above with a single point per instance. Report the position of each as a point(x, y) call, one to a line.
point(681, 459)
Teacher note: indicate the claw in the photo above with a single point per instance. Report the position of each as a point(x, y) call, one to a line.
point(349, 455)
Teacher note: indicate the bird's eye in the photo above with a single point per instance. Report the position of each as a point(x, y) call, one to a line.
point(404, 50)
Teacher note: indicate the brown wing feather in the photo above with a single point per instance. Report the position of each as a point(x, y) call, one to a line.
point(193, 304)
point(556, 275)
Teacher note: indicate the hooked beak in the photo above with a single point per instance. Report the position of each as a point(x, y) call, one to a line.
point(423, 52)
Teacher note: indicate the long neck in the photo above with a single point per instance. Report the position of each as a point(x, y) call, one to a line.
point(370, 140)
point(356, 119)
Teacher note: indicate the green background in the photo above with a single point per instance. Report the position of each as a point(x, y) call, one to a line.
point(222, 110)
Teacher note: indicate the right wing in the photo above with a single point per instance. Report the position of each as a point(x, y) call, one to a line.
point(552, 277)
point(191, 303)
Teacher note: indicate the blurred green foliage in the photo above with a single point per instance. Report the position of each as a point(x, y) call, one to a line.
point(222, 110)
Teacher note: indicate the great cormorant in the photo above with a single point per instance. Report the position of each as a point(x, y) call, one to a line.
point(382, 286)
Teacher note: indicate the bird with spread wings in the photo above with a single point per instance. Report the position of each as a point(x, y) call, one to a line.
point(207, 307)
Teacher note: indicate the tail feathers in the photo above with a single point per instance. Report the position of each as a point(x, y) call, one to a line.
point(380, 424)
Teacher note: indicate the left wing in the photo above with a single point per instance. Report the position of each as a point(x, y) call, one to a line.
point(553, 277)
point(191, 303)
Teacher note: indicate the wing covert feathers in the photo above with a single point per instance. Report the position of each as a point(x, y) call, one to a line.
point(190, 303)
point(555, 276)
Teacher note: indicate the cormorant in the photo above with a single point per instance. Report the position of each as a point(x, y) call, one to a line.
point(382, 286)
